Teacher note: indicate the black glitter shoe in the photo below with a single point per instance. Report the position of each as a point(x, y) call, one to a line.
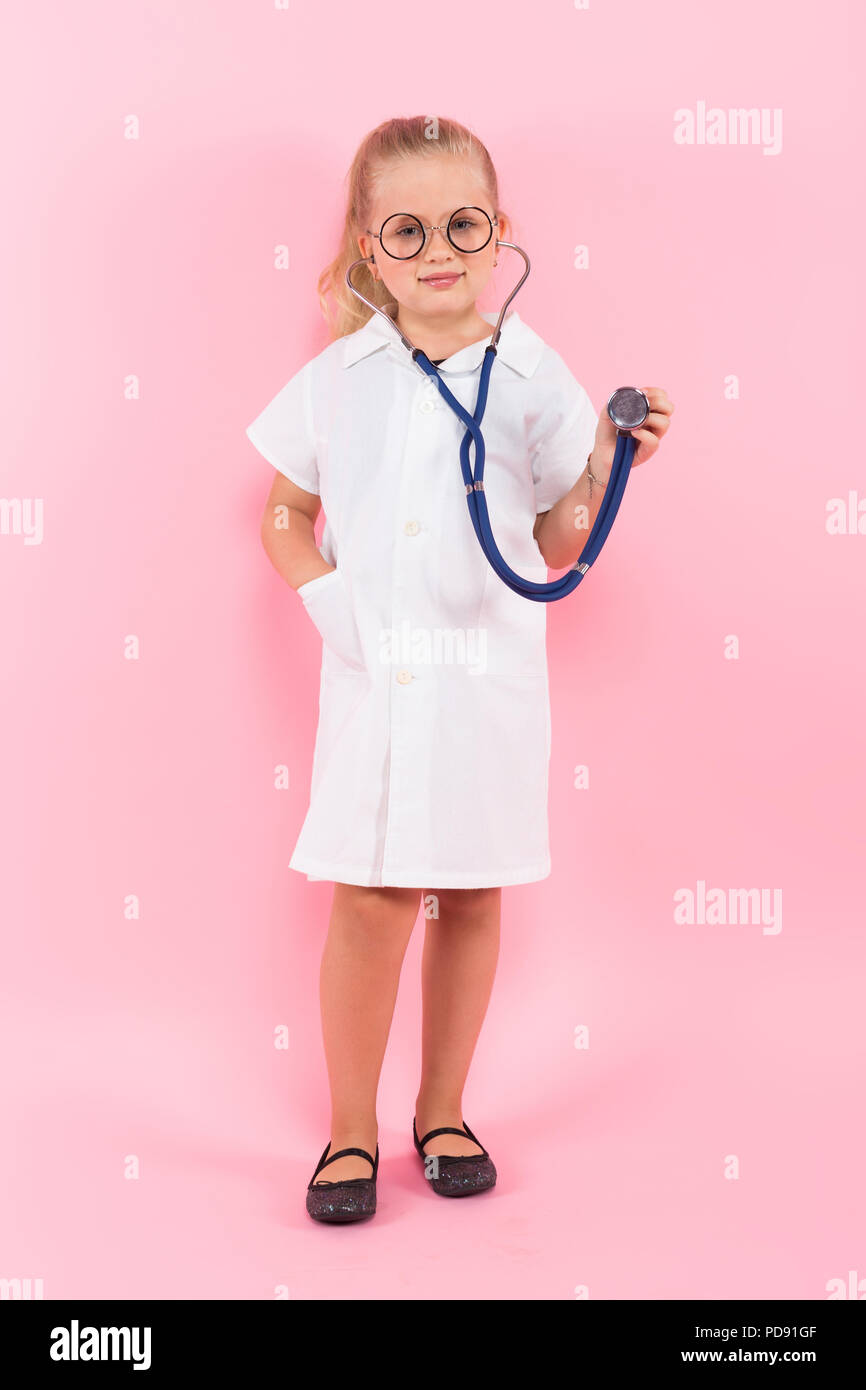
point(459, 1175)
point(349, 1200)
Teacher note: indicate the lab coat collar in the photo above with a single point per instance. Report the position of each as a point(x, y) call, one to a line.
point(519, 345)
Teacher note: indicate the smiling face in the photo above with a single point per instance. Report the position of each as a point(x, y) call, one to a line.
point(435, 290)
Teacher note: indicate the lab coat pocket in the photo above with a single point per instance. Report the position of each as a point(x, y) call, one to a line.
point(329, 605)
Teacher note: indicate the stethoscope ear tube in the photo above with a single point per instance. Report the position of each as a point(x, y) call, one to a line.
point(549, 591)
point(627, 407)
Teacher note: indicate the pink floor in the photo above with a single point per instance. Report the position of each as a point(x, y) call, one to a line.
point(612, 1159)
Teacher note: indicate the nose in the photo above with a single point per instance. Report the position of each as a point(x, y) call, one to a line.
point(431, 235)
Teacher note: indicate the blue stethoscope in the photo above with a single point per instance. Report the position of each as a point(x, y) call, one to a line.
point(627, 407)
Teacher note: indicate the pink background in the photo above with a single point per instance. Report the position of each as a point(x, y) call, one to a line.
point(155, 777)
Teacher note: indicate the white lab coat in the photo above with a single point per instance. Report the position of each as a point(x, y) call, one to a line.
point(430, 767)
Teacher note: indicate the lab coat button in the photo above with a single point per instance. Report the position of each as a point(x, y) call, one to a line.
point(411, 528)
point(426, 406)
point(404, 677)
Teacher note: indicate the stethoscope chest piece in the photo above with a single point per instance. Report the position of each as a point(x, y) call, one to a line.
point(628, 408)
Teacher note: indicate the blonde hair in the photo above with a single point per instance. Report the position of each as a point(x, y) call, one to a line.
point(405, 137)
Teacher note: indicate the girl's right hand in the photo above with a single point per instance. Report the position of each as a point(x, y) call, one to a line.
point(329, 605)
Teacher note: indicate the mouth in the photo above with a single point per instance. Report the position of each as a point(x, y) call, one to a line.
point(441, 282)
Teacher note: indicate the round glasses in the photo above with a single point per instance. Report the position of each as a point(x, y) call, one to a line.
point(403, 235)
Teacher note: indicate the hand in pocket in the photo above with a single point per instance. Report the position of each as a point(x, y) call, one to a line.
point(327, 602)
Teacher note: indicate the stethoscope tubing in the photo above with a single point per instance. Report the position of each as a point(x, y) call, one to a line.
point(541, 592)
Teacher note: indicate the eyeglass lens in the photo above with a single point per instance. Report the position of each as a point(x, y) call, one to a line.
point(402, 235)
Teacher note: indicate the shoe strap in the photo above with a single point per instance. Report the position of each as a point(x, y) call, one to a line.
point(345, 1153)
point(465, 1133)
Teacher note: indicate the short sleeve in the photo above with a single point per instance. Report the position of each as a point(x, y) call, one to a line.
point(284, 432)
point(562, 436)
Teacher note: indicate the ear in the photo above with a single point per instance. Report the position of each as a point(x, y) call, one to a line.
point(503, 228)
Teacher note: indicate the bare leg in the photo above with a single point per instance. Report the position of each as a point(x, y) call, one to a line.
point(461, 950)
point(368, 934)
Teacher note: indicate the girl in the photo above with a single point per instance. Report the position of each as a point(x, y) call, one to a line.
point(430, 767)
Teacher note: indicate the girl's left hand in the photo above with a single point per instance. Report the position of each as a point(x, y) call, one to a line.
point(648, 437)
